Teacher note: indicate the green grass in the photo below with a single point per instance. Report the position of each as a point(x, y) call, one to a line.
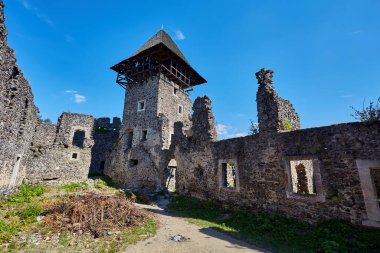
point(104, 183)
point(26, 193)
point(74, 187)
point(19, 212)
point(276, 233)
point(30, 213)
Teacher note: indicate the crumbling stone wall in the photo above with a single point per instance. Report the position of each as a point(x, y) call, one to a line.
point(264, 182)
point(105, 135)
point(54, 158)
point(18, 115)
point(274, 113)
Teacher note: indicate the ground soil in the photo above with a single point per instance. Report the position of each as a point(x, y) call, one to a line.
point(200, 240)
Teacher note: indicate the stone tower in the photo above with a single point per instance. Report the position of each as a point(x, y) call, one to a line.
point(157, 79)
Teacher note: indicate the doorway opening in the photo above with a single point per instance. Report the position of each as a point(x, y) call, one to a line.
point(170, 175)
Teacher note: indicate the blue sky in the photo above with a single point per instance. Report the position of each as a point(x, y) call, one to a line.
point(325, 54)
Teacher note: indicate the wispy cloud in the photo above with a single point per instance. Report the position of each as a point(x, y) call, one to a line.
point(37, 12)
point(347, 96)
point(222, 129)
point(179, 35)
point(226, 132)
point(74, 95)
point(356, 31)
point(236, 135)
point(79, 98)
point(69, 38)
point(71, 91)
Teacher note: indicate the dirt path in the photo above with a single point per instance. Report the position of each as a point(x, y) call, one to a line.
point(201, 240)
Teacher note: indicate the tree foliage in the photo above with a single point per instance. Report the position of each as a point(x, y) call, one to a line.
point(368, 114)
point(253, 128)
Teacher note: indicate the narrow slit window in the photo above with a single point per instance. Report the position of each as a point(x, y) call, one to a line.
point(144, 134)
point(175, 91)
point(129, 138)
point(180, 109)
point(229, 175)
point(141, 105)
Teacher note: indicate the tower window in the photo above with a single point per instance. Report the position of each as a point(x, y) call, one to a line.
point(133, 162)
point(141, 105)
point(175, 91)
point(180, 109)
point(144, 134)
point(74, 155)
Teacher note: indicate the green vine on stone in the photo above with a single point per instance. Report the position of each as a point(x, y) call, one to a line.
point(287, 125)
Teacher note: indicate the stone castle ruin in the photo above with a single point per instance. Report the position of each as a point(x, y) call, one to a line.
point(166, 143)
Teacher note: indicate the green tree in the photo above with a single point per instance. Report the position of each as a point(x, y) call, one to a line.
point(253, 128)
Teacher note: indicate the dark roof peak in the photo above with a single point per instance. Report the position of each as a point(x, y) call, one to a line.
point(161, 37)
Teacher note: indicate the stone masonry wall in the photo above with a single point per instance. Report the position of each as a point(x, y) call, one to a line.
point(262, 174)
point(55, 159)
point(18, 115)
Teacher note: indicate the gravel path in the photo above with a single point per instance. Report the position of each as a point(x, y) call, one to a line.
point(197, 239)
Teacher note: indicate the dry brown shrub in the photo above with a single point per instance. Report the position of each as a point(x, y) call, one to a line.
point(94, 213)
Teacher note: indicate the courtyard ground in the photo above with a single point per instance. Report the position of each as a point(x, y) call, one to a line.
point(191, 238)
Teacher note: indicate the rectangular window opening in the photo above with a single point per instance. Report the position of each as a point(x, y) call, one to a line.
point(144, 134)
point(133, 162)
point(375, 173)
point(141, 105)
point(302, 177)
point(129, 138)
point(74, 156)
point(175, 91)
point(229, 175)
point(180, 109)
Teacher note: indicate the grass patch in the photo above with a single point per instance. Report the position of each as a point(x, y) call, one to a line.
point(277, 233)
point(104, 183)
point(27, 193)
point(21, 232)
point(30, 213)
point(75, 187)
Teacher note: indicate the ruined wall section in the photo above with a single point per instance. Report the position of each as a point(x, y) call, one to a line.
point(263, 179)
point(105, 136)
point(203, 128)
point(18, 115)
point(274, 113)
point(54, 158)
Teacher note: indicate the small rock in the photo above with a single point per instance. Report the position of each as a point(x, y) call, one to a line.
point(178, 238)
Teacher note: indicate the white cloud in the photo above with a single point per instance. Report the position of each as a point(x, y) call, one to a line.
point(79, 98)
point(37, 12)
point(222, 129)
point(235, 135)
point(74, 95)
point(179, 35)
